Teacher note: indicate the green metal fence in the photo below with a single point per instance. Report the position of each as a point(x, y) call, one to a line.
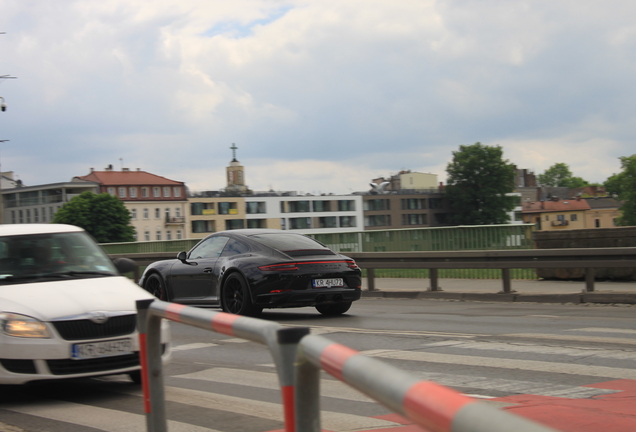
point(475, 237)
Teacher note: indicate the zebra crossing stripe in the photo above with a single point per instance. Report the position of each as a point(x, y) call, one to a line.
point(501, 363)
point(104, 419)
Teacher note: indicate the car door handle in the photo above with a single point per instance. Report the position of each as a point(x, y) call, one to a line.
point(208, 270)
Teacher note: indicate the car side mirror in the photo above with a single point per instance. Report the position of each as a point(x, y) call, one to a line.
point(182, 256)
point(125, 265)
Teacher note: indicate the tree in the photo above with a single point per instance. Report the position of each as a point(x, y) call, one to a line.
point(103, 216)
point(478, 181)
point(559, 175)
point(623, 185)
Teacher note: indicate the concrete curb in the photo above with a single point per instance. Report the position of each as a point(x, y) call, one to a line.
point(601, 298)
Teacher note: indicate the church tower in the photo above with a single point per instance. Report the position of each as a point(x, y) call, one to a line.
point(235, 174)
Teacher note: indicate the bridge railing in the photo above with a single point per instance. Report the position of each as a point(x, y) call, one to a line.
point(299, 357)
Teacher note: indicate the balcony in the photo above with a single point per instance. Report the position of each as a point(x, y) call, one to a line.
point(560, 223)
point(178, 220)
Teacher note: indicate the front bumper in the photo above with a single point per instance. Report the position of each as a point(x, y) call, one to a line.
point(23, 360)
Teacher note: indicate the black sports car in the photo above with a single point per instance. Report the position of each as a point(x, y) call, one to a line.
point(245, 271)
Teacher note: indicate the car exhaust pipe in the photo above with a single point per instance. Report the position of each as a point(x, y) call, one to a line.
point(337, 298)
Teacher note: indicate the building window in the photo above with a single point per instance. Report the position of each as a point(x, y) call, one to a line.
point(435, 203)
point(122, 192)
point(177, 211)
point(176, 192)
point(377, 220)
point(377, 204)
point(256, 223)
point(201, 227)
point(28, 214)
point(21, 214)
point(157, 213)
point(144, 192)
point(51, 213)
point(36, 216)
point(413, 204)
point(573, 217)
point(347, 221)
point(147, 235)
point(178, 234)
point(166, 192)
point(597, 223)
point(346, 205)
point(133, 192)
point(518, 216)
point(146, 214)
point(156, 192)
point(111, 191)
point(168, 235)
point(167, 214)
point(198, 209)
point(228, 208)
point(300, 223)
point(43, 214)
point(327, 222)
point(133, 214)
point(547, 217)
point(232, 224)
point(415, 219)
point(13, 220)
point(322, 206)
point(255, 207)
point(298, 206)
point(158, 235)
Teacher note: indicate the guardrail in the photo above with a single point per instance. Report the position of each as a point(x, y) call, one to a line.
point(299, 358)
point(588, 259)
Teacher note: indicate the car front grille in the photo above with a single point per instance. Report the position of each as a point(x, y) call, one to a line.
point(69, 367)
point(86, 329)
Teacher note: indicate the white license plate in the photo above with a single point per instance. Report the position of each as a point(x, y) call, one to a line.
point(101, 349)
point(328, 283)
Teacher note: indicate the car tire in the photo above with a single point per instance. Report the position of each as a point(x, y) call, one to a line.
point(135, 376)
point(331, 309)
point(235, 297)
point(155, 286)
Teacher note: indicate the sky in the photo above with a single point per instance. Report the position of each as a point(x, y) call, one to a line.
point(319, 96)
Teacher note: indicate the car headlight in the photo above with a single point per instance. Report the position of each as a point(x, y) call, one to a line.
point(22, 326)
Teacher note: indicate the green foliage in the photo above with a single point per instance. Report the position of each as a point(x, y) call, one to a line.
point(559, 175)
point(623, 185)
point(478, 181)
point(103, 216)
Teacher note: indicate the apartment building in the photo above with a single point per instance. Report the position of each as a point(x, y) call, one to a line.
point(157, 205)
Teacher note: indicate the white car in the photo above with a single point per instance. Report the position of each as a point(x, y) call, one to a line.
point(65, 311)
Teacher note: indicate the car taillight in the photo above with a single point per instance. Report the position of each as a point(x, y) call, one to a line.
point(280, 290)
point(279, 267)
point(352, 265)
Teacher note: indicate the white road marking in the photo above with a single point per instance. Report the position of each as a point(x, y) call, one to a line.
point(499, 363)
point(337, 422)
point(576, 338)
point(192, 346)
point(604, 330)
point(95, 417)
point(537, 349)
point(268, 380)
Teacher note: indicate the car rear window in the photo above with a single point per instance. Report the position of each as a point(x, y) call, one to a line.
point(292, 244)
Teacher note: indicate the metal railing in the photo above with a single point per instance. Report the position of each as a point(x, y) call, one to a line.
point(299, 358)
point(588, 259)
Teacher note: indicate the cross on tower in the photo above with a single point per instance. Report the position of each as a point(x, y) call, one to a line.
point(234, 147)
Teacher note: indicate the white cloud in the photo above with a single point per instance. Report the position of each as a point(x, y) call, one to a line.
point(332, 93)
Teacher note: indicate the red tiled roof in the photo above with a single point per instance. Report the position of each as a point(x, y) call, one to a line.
point(555, 206)
point(114, 178)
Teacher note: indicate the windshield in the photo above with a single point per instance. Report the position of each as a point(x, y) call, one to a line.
point(39, 256)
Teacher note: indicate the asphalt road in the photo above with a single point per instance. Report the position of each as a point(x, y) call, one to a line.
point(569, 366)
